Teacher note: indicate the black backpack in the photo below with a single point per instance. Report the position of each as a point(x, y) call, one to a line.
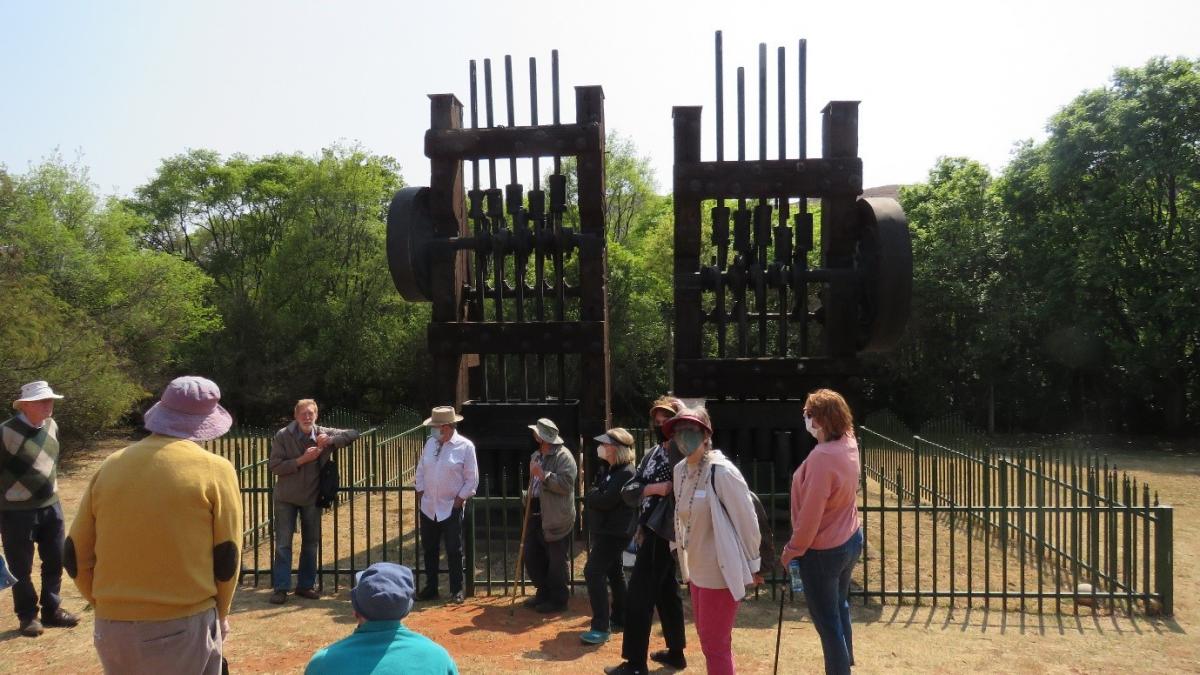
point(327, 484)
point(766, 547)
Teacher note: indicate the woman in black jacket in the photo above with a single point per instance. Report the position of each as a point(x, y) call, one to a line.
point(652, 583)
point(609, 521)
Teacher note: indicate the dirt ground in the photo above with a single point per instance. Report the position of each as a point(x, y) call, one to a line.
point(484, 637)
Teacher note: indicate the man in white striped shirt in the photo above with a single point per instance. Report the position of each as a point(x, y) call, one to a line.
point(447, 476)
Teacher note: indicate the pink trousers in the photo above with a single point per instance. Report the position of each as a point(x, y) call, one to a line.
point(714, 611)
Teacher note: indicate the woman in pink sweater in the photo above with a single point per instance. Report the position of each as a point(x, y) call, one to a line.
point(826, 532)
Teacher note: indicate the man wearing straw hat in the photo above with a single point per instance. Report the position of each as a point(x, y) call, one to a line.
point(155, 545)
point(552, 472)
point(298, 451)
point(447, 476)
point(30, 513)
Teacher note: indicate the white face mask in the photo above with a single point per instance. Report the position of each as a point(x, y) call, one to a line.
point(808, 424)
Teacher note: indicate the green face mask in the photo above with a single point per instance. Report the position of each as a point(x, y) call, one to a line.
point(689, 440)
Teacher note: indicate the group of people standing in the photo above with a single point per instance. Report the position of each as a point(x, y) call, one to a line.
point(685, 507)
point(696, 514)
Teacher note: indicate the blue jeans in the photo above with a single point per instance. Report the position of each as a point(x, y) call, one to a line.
point(310, 539)
point(826, 576)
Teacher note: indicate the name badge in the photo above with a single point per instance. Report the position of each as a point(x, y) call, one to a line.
point(700, 494)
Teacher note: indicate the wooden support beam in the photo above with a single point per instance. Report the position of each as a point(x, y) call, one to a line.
point(769, 178)
point(687, 237)
point(757, 377)
point(567, 140)
point(546, 337)
point(595, 396)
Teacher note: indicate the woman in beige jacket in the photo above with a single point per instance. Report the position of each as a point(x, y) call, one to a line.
point(717, 533)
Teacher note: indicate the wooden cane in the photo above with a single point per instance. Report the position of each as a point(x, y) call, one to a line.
point(512, 608)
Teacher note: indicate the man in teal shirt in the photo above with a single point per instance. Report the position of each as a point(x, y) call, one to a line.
point(382, 596)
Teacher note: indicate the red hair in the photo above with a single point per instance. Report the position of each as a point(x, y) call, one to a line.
point(830, 412)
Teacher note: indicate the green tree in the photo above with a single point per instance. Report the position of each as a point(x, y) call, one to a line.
point(1108, 215)
point(295, 246)
point(107, 320)
point(953, 351)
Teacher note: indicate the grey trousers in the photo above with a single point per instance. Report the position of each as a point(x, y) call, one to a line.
point(188, 646)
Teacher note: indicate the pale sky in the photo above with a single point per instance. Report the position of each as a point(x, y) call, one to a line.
point(123, 84)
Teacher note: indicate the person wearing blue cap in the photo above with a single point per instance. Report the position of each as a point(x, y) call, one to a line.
point(382, 596)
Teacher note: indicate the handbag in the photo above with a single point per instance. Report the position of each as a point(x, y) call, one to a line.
point(327, 484)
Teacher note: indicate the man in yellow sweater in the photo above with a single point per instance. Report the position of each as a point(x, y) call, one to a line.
point(155, 546)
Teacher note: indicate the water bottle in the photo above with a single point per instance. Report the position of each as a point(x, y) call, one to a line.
point(794, 573)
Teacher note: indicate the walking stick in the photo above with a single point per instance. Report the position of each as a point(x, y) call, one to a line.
point(521, 552)
point(779, 631)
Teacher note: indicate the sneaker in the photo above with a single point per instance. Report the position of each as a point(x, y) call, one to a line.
point(594, 637)
point(32, 628)
point(278, 598)
point(666, 657)
point(458, 597)
point(428, 593)
point(310, 593)
point(625, 669)
point(61, 618)
point(550, 607)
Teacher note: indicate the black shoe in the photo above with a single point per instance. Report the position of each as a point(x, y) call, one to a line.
point(428, 593)
point(532, 602)
point(61, 618)
point(666, 657)
point(550, 607)
point(278, 598)
point(310, 593)
point(625, 669)
point(31, 628)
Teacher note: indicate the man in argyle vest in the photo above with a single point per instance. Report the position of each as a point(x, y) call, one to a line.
point(30, 513)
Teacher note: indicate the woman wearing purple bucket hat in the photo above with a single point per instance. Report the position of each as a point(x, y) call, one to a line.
point(155, 544)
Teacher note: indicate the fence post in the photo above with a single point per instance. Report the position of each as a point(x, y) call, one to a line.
point(916, 469)
point(1003, 464)
point(1164, 564)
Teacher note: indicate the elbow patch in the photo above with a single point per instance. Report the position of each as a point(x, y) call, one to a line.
point(225, 561)
point(70, 562)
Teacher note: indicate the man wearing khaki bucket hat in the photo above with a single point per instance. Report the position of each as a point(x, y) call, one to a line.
point(551, 518)
point(447, 476)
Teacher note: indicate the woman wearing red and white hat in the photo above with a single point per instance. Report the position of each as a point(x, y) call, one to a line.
point(716, 530)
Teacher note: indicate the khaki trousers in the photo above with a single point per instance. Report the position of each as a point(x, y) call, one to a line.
point(188, 646)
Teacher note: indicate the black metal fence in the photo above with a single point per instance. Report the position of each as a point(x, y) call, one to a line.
point(363, 526)
point(947, 519)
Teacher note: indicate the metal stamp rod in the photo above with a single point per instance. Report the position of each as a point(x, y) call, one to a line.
point(479, 223)
point(508, 91)
point(761, 238)
point(803, 220)
point(537, 207)
point(720, 102)
point(783, 233)
point(496, 214)
point(556, 222)
point(515, 199)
